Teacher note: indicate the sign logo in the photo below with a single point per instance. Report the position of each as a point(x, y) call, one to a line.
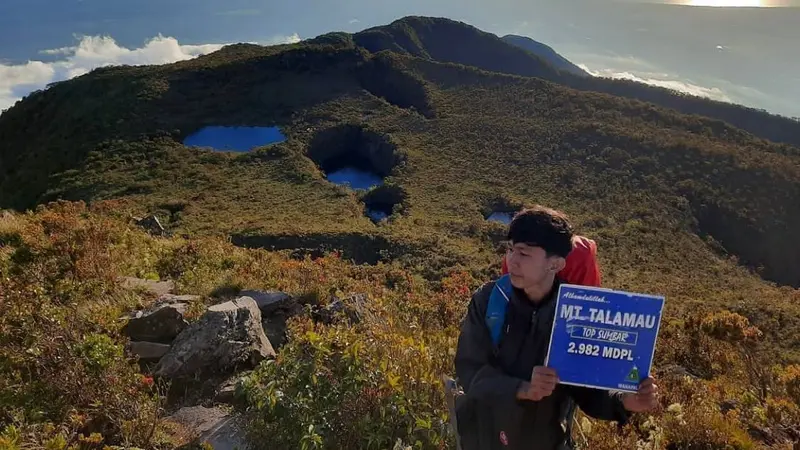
point(633, 376)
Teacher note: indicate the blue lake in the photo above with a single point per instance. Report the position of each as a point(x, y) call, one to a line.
point(236, 139)
point(355, 178)
point(502, 217)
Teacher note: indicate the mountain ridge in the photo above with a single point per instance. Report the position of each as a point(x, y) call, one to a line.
point(545, 52)
point(498, 58)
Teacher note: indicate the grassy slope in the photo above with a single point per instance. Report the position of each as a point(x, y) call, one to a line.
point(493, 136)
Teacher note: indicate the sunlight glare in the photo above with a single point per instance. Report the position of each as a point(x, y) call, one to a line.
point(727, 3)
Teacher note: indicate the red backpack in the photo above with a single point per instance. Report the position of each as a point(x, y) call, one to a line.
point(582, 267)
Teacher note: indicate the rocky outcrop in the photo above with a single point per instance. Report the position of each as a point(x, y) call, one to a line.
point(162, 323)
point(228, 337)
point(152, 331)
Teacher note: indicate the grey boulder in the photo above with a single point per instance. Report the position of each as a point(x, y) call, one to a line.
point(160, 324)
point(269, 301)
point(226, 392)
point(149, 351)
point(276, 307)
point(228, 337)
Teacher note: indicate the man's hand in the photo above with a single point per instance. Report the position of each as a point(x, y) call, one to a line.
point(646, 399)
point(543, 382)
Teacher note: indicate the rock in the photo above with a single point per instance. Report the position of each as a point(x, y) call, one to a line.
point(761, 433)
point(275, 329)
point(149, 351)
point(354, 308)
point(161, 324)
point(155, 287)
point(276, 307)
point(226, 392)
point(728, 405)
point(269, 301)
point(675, 371)
point(151, 224)
point(215, 426)
point(227, 337)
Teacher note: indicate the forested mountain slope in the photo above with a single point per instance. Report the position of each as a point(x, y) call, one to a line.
point(455, 138)
point(451, 41)
point(546, 52)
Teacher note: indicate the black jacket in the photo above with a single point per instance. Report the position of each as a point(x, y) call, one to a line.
point(489, 407)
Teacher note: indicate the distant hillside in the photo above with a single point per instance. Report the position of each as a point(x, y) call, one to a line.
point(545, 52)
point(434, 38)
point(440, 125)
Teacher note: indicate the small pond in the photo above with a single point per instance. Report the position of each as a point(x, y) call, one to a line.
point(502, 217)
point(355, 178)
point(236, 139)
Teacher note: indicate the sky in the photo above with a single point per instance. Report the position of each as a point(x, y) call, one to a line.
point(746, 54)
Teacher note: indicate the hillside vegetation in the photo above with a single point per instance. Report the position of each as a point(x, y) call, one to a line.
point(68, 378)
point(681, 205)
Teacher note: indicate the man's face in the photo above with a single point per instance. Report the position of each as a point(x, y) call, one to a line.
point(529, 266)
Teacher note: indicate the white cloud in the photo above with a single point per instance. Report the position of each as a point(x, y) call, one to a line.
point(92, 52)
point(710, 86)
point(662, 80)
point(58, 51)
point(291, 39)
point(354, 21)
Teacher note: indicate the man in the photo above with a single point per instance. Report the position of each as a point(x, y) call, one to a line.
point(581, 266)
point(511, 400)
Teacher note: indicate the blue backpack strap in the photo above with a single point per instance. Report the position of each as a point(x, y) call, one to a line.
point(496, 310)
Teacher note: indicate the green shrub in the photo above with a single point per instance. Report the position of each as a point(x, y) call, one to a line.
point(346, 387)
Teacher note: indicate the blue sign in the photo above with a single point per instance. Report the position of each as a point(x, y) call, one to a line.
point(603, 338)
